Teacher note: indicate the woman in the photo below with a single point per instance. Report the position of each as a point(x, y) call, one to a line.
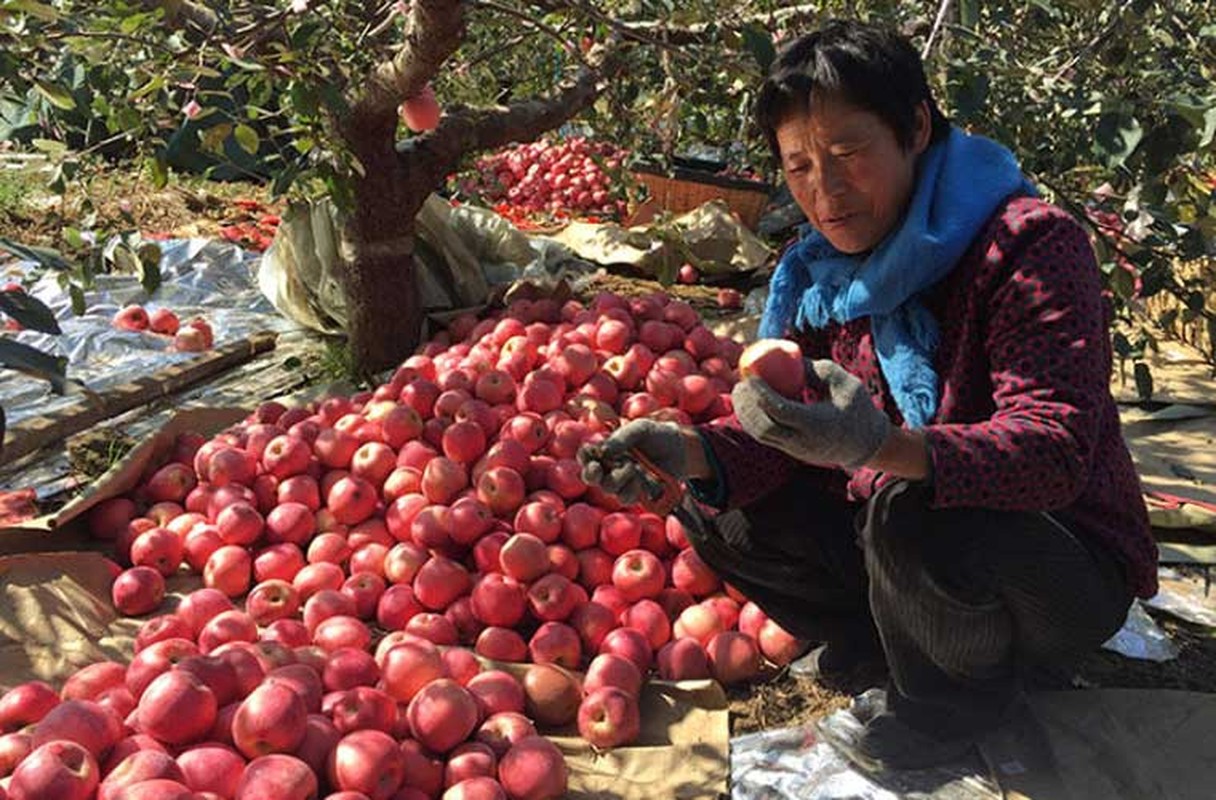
point(952, 495)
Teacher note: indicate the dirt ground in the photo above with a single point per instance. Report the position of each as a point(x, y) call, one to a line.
point(121, 200)
point(198, 208)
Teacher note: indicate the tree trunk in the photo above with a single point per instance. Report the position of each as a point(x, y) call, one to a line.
point(381, 283)
point(382, 303)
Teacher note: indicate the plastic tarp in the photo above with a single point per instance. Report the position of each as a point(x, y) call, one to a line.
point(709, 236)
point(198, 277)
point(1104, 744)
point(460, 254)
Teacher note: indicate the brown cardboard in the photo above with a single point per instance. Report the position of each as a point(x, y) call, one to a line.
point(48, 532)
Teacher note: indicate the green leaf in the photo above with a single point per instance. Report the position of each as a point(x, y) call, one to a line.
point(35, 9)
point(1209, 128)
point(968, 13)
point(73, 237)
point(43, 256)
point(149, 266)
point(1123, 283)
point(213, 138)
point(1117, 136)
point(51, 147)
point(247, 138)
point(56, 95)
point(148, 88)
point(79, 306)
point(32, 361)
point(283, 181)
point(759, 42)
point(31, 312)
point(1144, 381)
point(159, 170)
point(969, 91)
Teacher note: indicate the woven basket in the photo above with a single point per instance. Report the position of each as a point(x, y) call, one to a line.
point(684, 190)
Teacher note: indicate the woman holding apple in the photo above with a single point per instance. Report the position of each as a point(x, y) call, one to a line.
point(949, 495)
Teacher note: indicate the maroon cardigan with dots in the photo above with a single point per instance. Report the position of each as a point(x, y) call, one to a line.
point(1026, 421)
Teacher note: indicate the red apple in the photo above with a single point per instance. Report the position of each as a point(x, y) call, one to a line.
point(533, 768)
point(556, 643)
point(277, 777)
point(609, 717)
point(648, 617)
point(778, 362)
point(211, 768)
point(442, 715)
point(367, 761)
point(524, 557)
point(638, 574)
point(132, 318)
point(499, 600)
point(138, 591)
point(497, 691)
point(272, 600)
point(143, 765)
point(270, 720)
point(682, 660)
point(62, 770)
point(421, 112)
point(733, 657)
point(26, 704)
point(407, 667)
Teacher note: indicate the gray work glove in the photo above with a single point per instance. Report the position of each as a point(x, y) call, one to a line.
point(845, 429)
point(609, 466)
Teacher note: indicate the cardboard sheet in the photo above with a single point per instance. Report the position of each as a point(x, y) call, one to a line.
point(710, 236)
point(46, 532)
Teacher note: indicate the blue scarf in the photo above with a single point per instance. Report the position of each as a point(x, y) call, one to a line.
point(961, 182)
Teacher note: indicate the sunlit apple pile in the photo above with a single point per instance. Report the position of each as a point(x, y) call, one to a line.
point(358, 556)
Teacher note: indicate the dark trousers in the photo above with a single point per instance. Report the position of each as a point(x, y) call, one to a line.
point(959, 600)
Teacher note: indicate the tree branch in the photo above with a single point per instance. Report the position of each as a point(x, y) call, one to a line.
point(549, 31)
point(431, 157)
point(188, 14)
point(661, 34)
point(434, 30)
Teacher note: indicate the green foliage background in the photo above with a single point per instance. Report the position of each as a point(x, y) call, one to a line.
point(1110, 105)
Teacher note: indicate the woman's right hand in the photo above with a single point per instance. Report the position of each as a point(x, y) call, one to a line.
point(672, 448)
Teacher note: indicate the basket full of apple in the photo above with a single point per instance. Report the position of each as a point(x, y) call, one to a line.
point(370, 563)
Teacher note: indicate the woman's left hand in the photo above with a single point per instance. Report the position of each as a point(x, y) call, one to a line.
point(845, 429)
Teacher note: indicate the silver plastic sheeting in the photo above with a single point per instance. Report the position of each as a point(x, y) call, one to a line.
point(199, 277)
point(801, 762)
point(1183, 607)
point(1141, 638)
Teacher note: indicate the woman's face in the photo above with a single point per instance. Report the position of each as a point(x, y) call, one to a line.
point(848, 172)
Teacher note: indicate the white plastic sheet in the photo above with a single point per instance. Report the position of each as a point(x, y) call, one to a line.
point(801, 762)
point(1141, 638)
point(199, 277)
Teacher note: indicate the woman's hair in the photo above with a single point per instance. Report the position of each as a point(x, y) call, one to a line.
point(871, 67)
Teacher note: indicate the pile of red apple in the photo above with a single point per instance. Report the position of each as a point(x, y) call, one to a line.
point(353, 550)
point(193, 337)
point(252, 225)
point(575, 177)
